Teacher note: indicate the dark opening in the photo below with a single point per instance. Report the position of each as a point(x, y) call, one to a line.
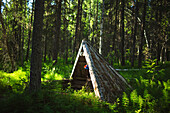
point(81, 76)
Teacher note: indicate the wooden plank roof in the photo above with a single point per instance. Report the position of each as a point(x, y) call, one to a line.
point(107, 83)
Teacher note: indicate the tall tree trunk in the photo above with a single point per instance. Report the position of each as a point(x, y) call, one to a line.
point(115, 29)
point(23, 38)
point(80, 25)
point(65, 33)
point(57, 30)
point(122, 35)
point(167, 54)
point(75, 48)
point(134, 35)
point(73, 43)
point(159, 29)
point(36, 56)
point(163, 54)
point(20, 33)
point(89, 22)
point(93, 28)
point(115, 25)
point(142, 36)
point(101, 32)
point(22, 46)
point(29, 33)
point(45, 44)
point(96, 26)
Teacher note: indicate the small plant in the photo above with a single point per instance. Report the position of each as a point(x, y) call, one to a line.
point(153, 70)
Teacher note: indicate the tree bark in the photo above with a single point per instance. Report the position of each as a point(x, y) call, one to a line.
point(159, 45)
point(115, 26)
point(89, 22)
point(134, 35)
point(97, 35)
point(57, 31)
point(36, 56)
point(101, 32)
point(122, 35)
point(115, 30)
point(29, 33)
point(142, 36)
point(45, 44)
point(80, 23)
point(75, 48)
point(23, 38)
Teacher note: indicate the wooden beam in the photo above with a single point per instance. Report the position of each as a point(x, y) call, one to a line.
point(96, 85)
point(75, 63)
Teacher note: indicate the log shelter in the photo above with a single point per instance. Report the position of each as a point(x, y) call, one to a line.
point(102, 78)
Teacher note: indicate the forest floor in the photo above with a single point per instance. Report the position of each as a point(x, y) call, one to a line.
point(150, 93)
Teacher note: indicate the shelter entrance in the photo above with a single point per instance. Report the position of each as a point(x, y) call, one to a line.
point(81, 76)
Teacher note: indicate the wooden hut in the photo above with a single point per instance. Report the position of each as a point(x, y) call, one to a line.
point(101, 77)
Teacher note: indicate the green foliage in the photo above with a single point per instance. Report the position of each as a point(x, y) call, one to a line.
point(52, 102)
point(57, 71)
point(19, 80)
point(147, 99)
point(154, 71)
point(16, 81)
point(148, 95)
point(125, 101)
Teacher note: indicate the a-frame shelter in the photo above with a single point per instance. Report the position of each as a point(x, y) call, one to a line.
point(101, 77)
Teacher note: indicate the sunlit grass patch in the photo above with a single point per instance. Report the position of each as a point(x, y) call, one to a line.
point(52, 76)
point(17, 75)
point(16, 81)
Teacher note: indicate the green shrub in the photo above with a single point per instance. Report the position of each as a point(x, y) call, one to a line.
point(150, 94)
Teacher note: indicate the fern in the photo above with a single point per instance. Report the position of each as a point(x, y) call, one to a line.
point(125, 100)
point(140, 101)
point(134, 97)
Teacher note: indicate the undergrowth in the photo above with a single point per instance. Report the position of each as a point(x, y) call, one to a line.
point(150, 92)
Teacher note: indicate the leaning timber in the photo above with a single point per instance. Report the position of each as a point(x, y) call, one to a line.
point(102, 78)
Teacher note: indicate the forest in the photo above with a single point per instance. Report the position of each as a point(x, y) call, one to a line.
point(40, 39)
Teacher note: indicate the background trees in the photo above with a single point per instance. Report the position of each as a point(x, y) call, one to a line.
point(133, 31)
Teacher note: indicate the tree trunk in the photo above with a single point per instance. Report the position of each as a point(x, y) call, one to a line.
point(101, 32)
point(163, 54)
point(36, 56)
point(115, 26)
point(75, 48)
point(134, 35)
point(23, 38)
point(89, 22)
point(73, 43)
point(57, 31)
point(29, 33)
point(96, 38)
point(45, 44)
point(115, 30)
point(122, 35)
point(167, 54)
point(159, 45)
point(142, 36)
point(80, 25)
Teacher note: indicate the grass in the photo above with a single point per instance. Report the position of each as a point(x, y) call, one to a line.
point(49, 101)
point(148, 95)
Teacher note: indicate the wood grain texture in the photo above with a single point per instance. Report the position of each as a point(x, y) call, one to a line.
point(106, 82)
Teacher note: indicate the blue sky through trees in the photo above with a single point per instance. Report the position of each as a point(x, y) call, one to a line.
point(6, 1)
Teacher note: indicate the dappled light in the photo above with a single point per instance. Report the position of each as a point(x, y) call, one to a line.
point(121, 66)
point(147, 95)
